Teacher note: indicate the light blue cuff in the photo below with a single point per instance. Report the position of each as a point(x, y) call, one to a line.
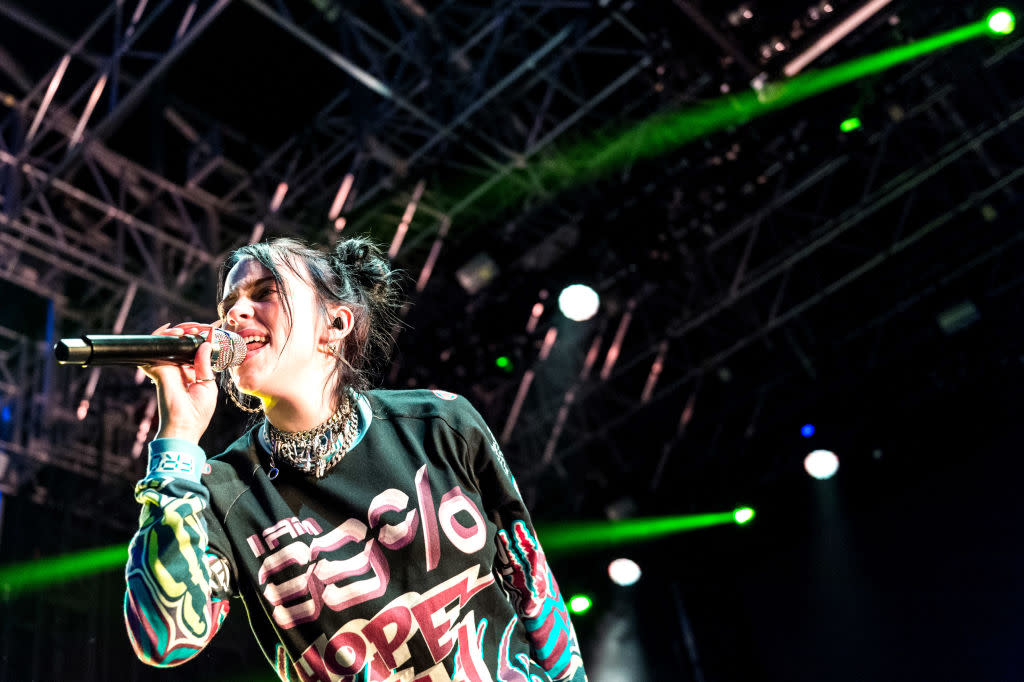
point(365, 417)
point(176, 458)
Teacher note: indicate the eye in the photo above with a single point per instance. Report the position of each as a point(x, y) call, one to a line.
point(264, 292)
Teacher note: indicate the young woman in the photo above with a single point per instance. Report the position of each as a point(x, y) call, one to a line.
point(371, 535)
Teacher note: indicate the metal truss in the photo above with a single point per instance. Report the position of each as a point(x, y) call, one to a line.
point(77, 216)
point(406, 126)
point(441, 105)
point(45, 424)
point(71, 206)
point(96, 234)
point(895, 199)
point(461, 96)
point(507, 87)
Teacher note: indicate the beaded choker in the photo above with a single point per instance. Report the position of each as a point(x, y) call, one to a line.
point(317, 450)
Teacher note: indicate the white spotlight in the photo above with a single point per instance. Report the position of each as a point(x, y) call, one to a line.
point(821, 464)
point(624, 572)
point(578, 302)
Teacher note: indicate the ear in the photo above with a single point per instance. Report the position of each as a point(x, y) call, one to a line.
point(342, 320)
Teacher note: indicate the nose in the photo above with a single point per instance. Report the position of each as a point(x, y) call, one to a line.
point(239, 312)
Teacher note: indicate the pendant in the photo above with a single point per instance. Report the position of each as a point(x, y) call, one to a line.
point(272, 474)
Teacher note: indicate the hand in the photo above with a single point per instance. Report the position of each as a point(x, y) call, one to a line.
point(186, 394)
point(525, 570)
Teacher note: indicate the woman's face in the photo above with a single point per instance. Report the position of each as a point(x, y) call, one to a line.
point(281, 357)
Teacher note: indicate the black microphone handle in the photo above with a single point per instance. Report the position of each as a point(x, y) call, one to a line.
point(126, 349)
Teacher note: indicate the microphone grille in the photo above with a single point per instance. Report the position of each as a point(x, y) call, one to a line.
point(229, 349)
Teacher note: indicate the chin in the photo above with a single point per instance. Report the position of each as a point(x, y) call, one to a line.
point(244, 382)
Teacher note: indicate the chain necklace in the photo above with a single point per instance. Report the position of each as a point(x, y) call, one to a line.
point(318, 449)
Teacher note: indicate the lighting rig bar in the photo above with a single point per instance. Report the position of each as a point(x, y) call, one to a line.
point(745, 299)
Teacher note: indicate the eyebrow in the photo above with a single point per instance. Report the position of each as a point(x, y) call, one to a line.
point(245, 285)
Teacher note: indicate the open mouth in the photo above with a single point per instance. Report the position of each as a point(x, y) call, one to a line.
point(254, 343)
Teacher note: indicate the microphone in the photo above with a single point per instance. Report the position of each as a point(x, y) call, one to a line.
point(144, 349)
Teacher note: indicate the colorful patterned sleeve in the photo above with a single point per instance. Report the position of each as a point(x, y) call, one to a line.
point(523, 568)
point(177, 591)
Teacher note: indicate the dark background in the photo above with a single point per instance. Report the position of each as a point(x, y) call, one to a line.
point(792, 274)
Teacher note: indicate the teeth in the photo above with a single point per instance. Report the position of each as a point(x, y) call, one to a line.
point(255, 339)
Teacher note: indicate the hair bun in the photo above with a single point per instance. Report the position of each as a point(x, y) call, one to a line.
point(364, 261)
point(353, 253)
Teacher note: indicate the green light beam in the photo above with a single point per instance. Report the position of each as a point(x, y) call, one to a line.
point(664, 132)
point(597, 534)
point(31, 575)
point(595, 158)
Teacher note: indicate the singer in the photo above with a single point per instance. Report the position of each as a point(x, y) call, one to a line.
point(370, 534)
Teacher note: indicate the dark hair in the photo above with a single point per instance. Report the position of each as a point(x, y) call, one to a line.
point(356, 274)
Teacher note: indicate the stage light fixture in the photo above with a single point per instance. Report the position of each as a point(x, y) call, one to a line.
point(743, 515)
point(503, 363)
point(850, 124)
point(821, 464)
point(624, 572)
point(807, 430)
point(1002, 21)
point(578, 302)
point(477, 273)
point(580, 603)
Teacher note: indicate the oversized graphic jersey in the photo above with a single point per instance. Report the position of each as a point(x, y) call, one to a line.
point(414, 559)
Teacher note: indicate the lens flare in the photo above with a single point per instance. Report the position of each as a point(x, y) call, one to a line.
point(580, 603)
point(1002, 22)
point(578, 302)
point(821, 464)
point(743, 515)
point(850, 124)
point(624, 572)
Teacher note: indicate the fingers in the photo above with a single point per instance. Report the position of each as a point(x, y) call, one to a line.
point(167, 379)
point(203, 365)
point(186, 328)
point(192, 328)
point(187, 374)
point(189, 328)
point(165, 330)
point(158, 372)
point(186, 393)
